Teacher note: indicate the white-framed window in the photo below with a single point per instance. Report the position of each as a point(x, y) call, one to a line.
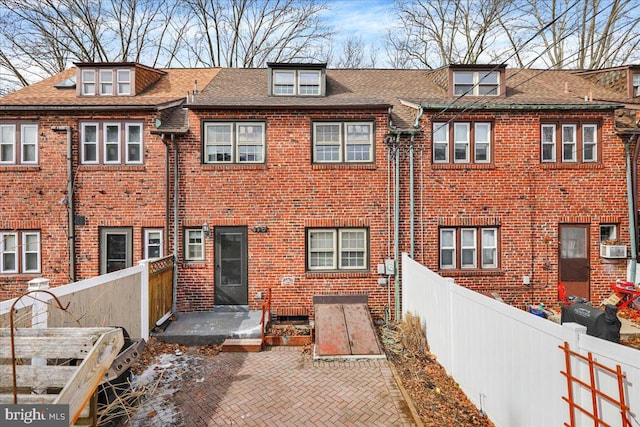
point(18, 144)
point(636, 85)
point(478, 248)
point(476, 83)
point(193, 244)
point(461, 142)
point(111, 143)
point(124, 82)
point(296, 82)
point(337, 249)
point(234, 142)
point(589, 143)
point(7, 144)
point(133, 142)
point(20, 252)
point(343, 142)
point(608, 233)
point(441, 142)
point(548, 138)
point(104, 142)
point(88, 82)
point(89, 142)
point(106, 82)
point(569, 143)
point(573, 142)
point(153, 243)
point(471, 142)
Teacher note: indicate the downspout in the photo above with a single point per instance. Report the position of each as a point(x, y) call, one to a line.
point(396, 229)
point(71, 233)
point(632, 214)
point(175, 224)
point(411, 199)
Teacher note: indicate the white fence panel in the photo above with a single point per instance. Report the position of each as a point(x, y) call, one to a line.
point(507, 361)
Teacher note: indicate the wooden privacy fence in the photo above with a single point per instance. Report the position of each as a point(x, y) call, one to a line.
point(160, 288)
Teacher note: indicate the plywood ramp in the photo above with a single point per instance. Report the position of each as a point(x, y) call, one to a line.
point(344, 327)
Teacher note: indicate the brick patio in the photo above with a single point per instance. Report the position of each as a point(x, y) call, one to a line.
point(282, 387)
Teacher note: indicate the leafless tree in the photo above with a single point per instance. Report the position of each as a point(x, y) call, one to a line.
point(354, 54)
point(579, 33)
point(248, 33)
point(439, 32)
point(41, 37)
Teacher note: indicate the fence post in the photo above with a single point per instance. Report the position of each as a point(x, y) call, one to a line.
point(571, 334)
point(144, 300)
point(451, 283)
point(39, 317)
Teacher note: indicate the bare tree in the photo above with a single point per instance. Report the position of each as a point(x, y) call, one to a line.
point(580, 33)
point(41, 37)
point(354, 54)
point(439, 32)
point(248, 33)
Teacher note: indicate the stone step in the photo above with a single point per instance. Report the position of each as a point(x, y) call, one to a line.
point(242, 345)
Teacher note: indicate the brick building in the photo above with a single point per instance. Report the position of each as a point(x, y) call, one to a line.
point(304, 179)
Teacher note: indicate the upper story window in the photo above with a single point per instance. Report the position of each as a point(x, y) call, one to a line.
point(105, 143)
point(337, 249)
point(234, 142)
point(289, 79)
point(569, 142)
point(18, 144)
point(476, 83)
point(469, 248)
point(19, 252)
point(462, 142)
point(343, 142)
point(105, 82)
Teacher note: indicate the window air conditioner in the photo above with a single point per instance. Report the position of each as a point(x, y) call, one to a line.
point(613, 251)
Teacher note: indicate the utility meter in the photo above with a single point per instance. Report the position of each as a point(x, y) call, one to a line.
point(390, 266)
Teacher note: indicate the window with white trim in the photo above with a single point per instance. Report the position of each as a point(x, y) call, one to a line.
point(20, 252)
point(193, 244)
point(478, 248)
point(88, 82)
point(342, 142)
point(471, 142)
point(124, 82)
point(570, 142)
point(334, 249)
point(18, 144)
point(476, 83)
point(234, 142)
point(104, 143)
point(636, 85)
point(296, 82)
point(106, 82)
point(153, 243)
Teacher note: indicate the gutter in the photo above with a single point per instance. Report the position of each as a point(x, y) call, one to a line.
point(71, 232)
point(524, 106)
point(632, 212)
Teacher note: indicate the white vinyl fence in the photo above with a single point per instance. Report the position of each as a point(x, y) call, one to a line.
point(508, 361)
point(120, 298)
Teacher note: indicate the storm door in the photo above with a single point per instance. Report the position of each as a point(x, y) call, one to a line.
point(574, 264)
point(116, 249)
point(231, 284)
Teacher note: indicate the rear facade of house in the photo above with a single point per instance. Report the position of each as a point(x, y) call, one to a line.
point(304, 180)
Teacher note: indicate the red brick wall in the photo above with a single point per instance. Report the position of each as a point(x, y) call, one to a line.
point(287, 194)
point(528, 200)
point(122, 196)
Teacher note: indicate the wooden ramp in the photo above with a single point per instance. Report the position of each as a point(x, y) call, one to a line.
point(344, 327)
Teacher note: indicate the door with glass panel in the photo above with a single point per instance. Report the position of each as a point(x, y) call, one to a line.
point(231, 282)
point(116, 249)
point(574, 268)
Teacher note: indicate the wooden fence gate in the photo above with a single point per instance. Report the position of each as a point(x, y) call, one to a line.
point(160, 288)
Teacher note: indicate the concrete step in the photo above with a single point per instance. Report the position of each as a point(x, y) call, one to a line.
point(242, 345)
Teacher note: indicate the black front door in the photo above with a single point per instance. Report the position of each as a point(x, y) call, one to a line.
point(231, 284)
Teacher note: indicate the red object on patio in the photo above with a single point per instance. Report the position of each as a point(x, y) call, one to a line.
point(629, 294)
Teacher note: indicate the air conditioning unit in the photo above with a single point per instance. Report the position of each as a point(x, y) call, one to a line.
point(613, 251)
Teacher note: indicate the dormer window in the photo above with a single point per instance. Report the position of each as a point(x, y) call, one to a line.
point(476, 83)
point(106, 82)
point(636, 85)
point(88, 82)
point(124, 82)
point(297, 79)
